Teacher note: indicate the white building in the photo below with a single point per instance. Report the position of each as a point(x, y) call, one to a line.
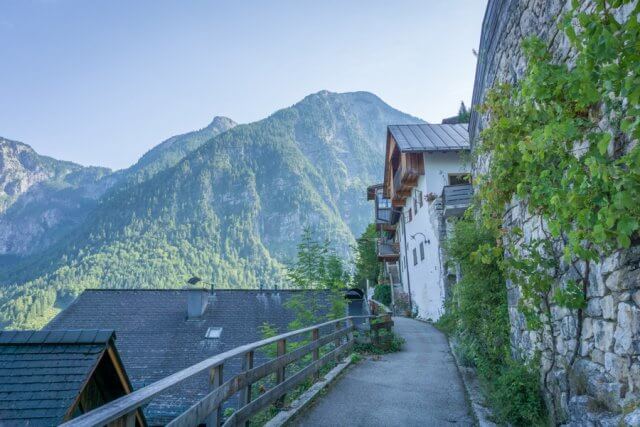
point(426, 181)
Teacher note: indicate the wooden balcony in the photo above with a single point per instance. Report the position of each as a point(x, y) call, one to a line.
point(405, 177)
point(388, 250)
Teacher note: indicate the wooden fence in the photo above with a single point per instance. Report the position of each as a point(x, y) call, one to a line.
point(121, 412)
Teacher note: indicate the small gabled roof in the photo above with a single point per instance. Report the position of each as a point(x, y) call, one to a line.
point(43, 372)
point(430, 137)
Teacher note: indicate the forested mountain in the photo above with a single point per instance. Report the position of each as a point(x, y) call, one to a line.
point(174, 149)
point(231, 211)
point(44, 199)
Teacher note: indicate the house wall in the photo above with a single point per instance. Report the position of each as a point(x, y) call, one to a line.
point(590, 374)
point(426, 278)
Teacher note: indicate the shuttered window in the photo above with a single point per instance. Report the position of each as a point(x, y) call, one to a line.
point(415, 256)
point(421, 251)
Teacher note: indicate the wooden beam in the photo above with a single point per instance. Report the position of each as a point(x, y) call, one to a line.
point(280, 372)
point(216, 381)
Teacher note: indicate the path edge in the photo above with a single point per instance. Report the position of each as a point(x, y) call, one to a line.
point(481, 412)
point(301, 403)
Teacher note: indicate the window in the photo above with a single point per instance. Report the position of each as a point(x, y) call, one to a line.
point(415, 202)
point(213, 333)
point(383, 203)
point(408, 217)
point(459, 178)
point(415, 257)
point(421, 251)
point(419, 196)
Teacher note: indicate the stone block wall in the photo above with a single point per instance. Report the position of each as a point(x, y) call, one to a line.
point(590, 368)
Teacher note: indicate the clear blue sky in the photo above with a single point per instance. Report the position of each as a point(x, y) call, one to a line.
point(101, 82)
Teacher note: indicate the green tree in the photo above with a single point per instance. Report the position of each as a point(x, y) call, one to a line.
point(317, 267)
point(367, 264)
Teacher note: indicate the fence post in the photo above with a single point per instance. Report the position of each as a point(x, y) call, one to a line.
point(315, 336)
point(280, 373)
point(245, 393)
point(339, 339)
point(352, 325)
point(215, 380)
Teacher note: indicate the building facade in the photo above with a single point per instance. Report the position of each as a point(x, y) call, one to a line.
point(426, 183)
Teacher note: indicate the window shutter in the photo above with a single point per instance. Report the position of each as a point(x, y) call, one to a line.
point(415, 257)
point(421, 251)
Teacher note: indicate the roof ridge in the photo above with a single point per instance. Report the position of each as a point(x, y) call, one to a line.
point(205, 289)
point(57, 337)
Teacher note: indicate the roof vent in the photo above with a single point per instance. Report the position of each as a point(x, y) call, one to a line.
point(213, 333)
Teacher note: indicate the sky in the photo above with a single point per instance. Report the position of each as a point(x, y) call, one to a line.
point(101, 82)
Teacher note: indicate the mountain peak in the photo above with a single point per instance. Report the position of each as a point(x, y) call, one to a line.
point(221, 122)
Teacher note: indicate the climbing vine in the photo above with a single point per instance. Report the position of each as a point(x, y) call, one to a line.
point(563, 140)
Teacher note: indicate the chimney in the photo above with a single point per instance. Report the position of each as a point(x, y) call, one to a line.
point(197, 300)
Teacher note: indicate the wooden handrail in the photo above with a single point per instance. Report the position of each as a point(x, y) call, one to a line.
point(125, 405)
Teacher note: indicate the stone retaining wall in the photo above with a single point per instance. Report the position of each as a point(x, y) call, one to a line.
point(594, 378)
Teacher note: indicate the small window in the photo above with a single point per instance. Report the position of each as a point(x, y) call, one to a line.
point(421, 251)
point(213, 333)
point(415, 257)
point(415, 203)
point(383, 203)
point(459, 178)
point(419, 196)
point(410, 215)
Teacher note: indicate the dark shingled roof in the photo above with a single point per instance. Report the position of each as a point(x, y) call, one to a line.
point(43, 372)
point(155, 339)
point(430, 137)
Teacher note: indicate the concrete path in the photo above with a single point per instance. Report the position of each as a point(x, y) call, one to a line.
point(419, 386)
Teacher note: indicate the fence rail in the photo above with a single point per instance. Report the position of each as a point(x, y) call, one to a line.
point(209, 409)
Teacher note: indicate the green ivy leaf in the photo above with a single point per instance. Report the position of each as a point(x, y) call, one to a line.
point(624, 241)
point(627, 225)
point(603, 143)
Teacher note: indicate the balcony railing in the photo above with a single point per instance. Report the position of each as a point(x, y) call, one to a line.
point(456, 199)
point(388, 250)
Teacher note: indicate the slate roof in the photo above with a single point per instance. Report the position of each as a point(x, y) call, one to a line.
point(43, 372)
point(430, 137)
point(155, 338)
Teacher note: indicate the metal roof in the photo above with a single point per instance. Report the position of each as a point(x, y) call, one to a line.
point(430, 137)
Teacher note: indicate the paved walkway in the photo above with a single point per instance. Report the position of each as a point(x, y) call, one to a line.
point(419, 386)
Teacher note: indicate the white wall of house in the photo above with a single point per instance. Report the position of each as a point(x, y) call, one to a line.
point(423, 275)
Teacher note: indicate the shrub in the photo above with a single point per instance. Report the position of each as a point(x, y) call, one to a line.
point(382, 293)
point(516, 397)
point(478, 318)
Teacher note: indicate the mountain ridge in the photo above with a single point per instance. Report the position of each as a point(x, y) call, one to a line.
point(50, 207)
point(231, 211)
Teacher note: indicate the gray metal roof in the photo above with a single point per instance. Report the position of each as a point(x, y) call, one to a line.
point(155, 338)
point(431, 137)
point(42, 373)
